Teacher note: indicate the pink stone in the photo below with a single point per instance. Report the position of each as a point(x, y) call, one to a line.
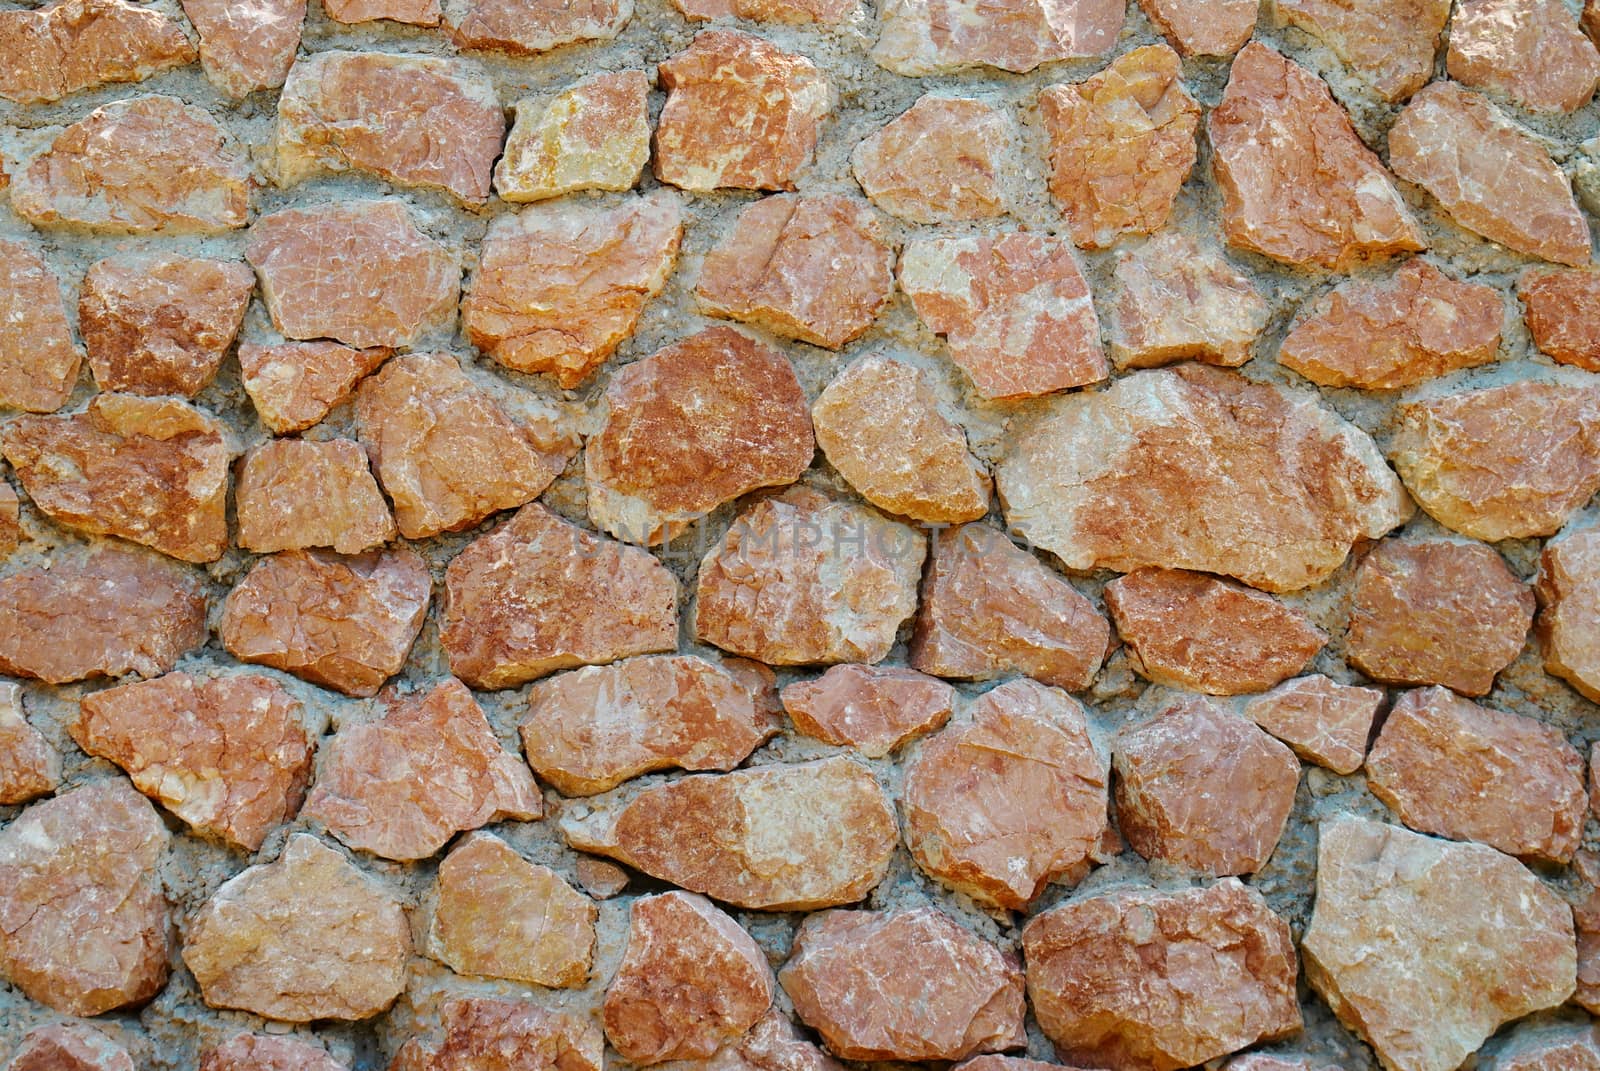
point(1178, 299)
point(507, 1035)
point(63, 47)
point(592, 135)
point(69, 1047)
point(1323, 721)
point(246, 45)
point(938, 161)
point(528, 27)
point(1536, 1046)
point(29, 766)
point(293, 385)
point(600, 879)
point(1389, 44)
point(1568, 588)
point(1203, 27)
point(268, 1052)
point(412, 12)
point(873, 709)
point(773, 1044)
point(297, 493)
point(1563, 314)
point(793, 12)
point(923, 37)
point(38, 358)
point(1531, 51)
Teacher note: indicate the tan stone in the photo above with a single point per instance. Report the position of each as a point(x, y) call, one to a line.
point(903, 985)
point(774, 838)
point(1271, 1061)
point(1323, 721)
point(592, 135)
point(1536, 1046)
point(923, 37)
point(12, 533)
point(507, 1035)
point(229, 755)
point(38, 359)
point(343, 623)
point(83, 919)
point(1203, 789)
point(1563, 314)
point(297, 493)
point(29, 766)
point(793, 12)
point(138, 166)
point(692, 426)
point(246, 45)
point(268, 1052)
point(152, 470)
point(1298, 185)
point(69, 1047)
point(528, 27)
point(500, 916)
point(600, 879)
point(293, 385)
point(308, 936)
point(995, 1062)
point(1568, 588)
point(1504, 462)
point(1177, 299)
point(1008, 799)
point(1014, 309)
point(1197, 468)
point(358, 272)
point(740, 112)
point(1530, 51)
point(1203, 27)
point(773, 1044)
point(1470, 940)
point(1389, 44)
point(560, 286)
point(938, 161)
point(1161, 980)
point(873, 709)
point(60, 48)
point(1586, 921)
point(1488, 174)
point(412, 12)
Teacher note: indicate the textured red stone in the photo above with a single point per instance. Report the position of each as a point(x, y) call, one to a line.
point(1531, 51)
point(600, 879)
point(922, 37)
point(29, 766)
point(528, 27)
point(795, 12)
point(506, 1035)
point(412, 12)
point(1323, 721)
point(1568, 588)
point(60, 48)
point(773, 1044)
point(69, 1047)
point(1388, 44)
point(268, 1052)
point(297, 493)
point(1563, 314)
point(873, 709)
point(1203, 27)
point(246, 45)
point(1177, 298)
point(293, 385)
point(38, 358)
point(938, 161)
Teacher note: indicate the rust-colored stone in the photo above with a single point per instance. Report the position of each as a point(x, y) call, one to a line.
point(1563, 314)
point(1323, 721)
point(38, 359)
point(29, 766)
point(1568, 588)
point(1177, 299)
point(1531, 51)
point(507, 1035)
point(793, 12)
point(528, 27)
point(268, 1052)
point(923, 37)
point(69, 1047)
point(12, 533)
point(600, 879)
point(246, 45)
point(60, 48)
point(293, 385)
point(1202, 27)
point(297, 493)
point(873, 709)
point(938, 161)
point(411, 12)
point(592, 135)
point(1389, 44)
point(773, 1044)
point(1586, 921)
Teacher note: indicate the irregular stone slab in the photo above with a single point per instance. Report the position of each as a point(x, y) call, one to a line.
point(358, 272)
point(411, 120)
point(29, 766)
point(1121, 144)
point(793, 12)
point(152, 470)
point(412, 12)
point(692, 426)
point(690, 980)
point(69, 1047)
point(740, 112)
point(528, 27)
point(229, 755)
point(160, 324)
point(592, 729)
point(1015, 311)
point(1177, 299)
point(1488, 173)
point(296, 493)
point(447, 453)
point(268, 1052)
point(1215, 969)
point(1388, 44)
point(774, 838)
point(506, 1035)
point(1471, 940)
point(945, 36)
point(938, 161)
point(1201, 28)
point(105, 612)
point(1503, 462)
point(1323, 721)
point(1010, 798)
point(592, 135)
point(63, 47)
point(1197, 468)
point(1298, 185)
point(38, 358)
point(1531, 51)
point(138, 166)
point(903, 985)
point(1437, 613)
point(1535, 1046)
point(343, 623)
point(873, 709)
point(500, 916)
point(560, 286)
point(248, 45)
point(1203, 789)
point(308, 936)
point(83, 920)
point(1563, 314)
point(1568, 588)
point(538, 594)
point(293, 385)
point(1446, 765)
point(802, 578)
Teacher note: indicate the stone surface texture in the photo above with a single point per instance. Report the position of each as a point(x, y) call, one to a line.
point(296, 493)
point(1568, 589)
point(939, 161)
point(63, 47)
point(1561, 307)
point(1176, 299)
point(487, 1034)
point(948, 36)
point(870, 708)
point(1202, 27)
point(592, 135)
point(1389, 44)
point(246, 45)
point(293, 385)
point(69, 1047)
point(39, 359)
point(528, 27)
point(268, 1052)
point(29, 766)
point(1325, 722)
point(1529, 51)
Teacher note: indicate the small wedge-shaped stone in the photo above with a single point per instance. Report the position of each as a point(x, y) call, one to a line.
point(1177, 299)
point(293, 385)
point(268, 1052)
point(1157, 981)
point(691, 980)
point(1203, 27)
point(773, 838)
point(343, 623)
point(1298, 185)
point(500, 916)
point(138, 166)
point(359, 272)
point(740, 112)
point(1323, 721)
point(246, 45)
point(1009, 799)
point(1390, 44)
point(690, 427)
point(560, 286)
point(63, 47)
point(1190, 630)
point(297, 493)
point(83, 919)
point(593, 135)
point(873, 709)
point(1488, 173)
point(1563, 314)
point(29, 766)
point(1470, 940)
point(1015, 310)
point(1568, 588)
point(69, 1047)
point(528, 27)
point(592, 729)
point(229, 755)
point(38, 359)
point(152, 470)
point(507, 1035)
point(1531, 51)
point(1198, 468)
point(306, 937)
point(538, 594)
point(411, 120)
point(903, 985)
point(938, 161)
point(923, 37)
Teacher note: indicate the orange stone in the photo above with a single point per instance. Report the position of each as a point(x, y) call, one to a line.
point(528, 27)
point(793, 12)
point(592, 135)
point(293, 385)
point(343, 623)
point(1568, 587)
point(38, 358)
point(903, 985)
point(152, 470)
point(773, 1044)
point(506, 1035)
point(297, 493)
point(69, 1047)
point(873, 709)
point(1536, 1046)
point(63, 47)
point(11, 530)
point(1563, 314)
point(560, 286)
point(938, 161)
point(1530, 51)
point(229, 755)
point(1014, 309)
point(1586, 921)
point(412, 12)
point(268, 1052)
point(1388, 44)
point(740, 112)
point(600, 879)
point(1298, 185)
point(246, 45)
point(1323, 721)
point(1177, 299)
point(29, 766)
point(923, 37)
point(1202, 27)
